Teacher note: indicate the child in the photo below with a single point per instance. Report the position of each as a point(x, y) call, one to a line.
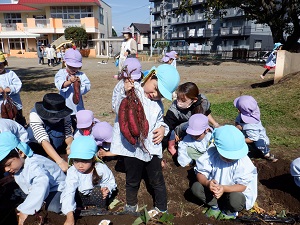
point(102, 133)
point(271, 61)
point(11, 85)
point(93, 181)
point(65, 79)
point(85, 122)
point(248, 121)
point(197, 140)
point(51, 126)
point(160, 82)
point(38, 177)
point(226, 177)
point(189, 101)
point(170, 58)
point(295, 171)
point(15, 128)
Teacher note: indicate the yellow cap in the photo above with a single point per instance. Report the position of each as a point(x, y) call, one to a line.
point(2, 57)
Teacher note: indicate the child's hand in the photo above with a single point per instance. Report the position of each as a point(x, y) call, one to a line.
point(104, 192)
point(73, 78)
point(213, 185)
point(64, 166)
point(177, 138)
point(128, 84)
point(158, 135)
point(22, 218)
point(101, 153)
point(219, 192)
point(7, 90)
point(77, 78)
point(70, 219)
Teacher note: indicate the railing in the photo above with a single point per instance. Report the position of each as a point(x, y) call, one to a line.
point(71, 23)
point(42, 23)
point(8, 27)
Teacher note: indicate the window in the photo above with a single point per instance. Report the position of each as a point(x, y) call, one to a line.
point(235, 43)
point(257, 43)
point(101, 16)
point(15, 43)
point(71, 12)
point(12, 18)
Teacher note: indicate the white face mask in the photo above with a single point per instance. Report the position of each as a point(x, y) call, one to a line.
point(184, 105)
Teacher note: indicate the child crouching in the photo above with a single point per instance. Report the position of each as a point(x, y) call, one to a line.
point(227, 179)
point(93, 181)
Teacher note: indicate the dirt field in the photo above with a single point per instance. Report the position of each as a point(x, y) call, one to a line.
point(277, 191)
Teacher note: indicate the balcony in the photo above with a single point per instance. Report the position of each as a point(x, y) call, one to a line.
point(235, 31)
point(202, 32)
point(58, 25)
point(8, 27)
point(157, 23)
point(233, 12)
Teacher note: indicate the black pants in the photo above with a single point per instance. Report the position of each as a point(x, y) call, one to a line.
point(134, 172)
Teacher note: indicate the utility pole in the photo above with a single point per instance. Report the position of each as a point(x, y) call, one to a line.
point(151, 50)
point(163, 16)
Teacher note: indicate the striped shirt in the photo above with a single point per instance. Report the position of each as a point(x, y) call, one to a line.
point(38, 127)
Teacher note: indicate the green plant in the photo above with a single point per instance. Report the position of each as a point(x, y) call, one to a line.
point(166, 218)
point(78, 35)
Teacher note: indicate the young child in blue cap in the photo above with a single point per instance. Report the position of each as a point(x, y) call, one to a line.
point(226, 177)
point(248, 121)
point(196, 142)
point(160, 82)
point(93, 181)
point(271, 61)
point(39, 178)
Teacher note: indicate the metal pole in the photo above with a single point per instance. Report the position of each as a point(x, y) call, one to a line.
point(151, 50)
point(162, 13)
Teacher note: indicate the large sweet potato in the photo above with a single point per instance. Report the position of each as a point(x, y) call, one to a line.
point(76, 95)
point(123, 122)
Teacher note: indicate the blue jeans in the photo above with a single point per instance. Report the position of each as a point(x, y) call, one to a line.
point(261, 146)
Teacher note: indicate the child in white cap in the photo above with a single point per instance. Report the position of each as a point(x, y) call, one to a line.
point(226, 177)
point(295, 171)
point(248, 121)
point(85, 122)
point(196, 142)
point(66, 82)
point(160, 82)
point(10, 84)
point(93, 181)
point(39, 178)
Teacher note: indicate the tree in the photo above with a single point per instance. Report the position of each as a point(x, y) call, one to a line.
point(114, 33)
point(78, 35)
point(282, 16)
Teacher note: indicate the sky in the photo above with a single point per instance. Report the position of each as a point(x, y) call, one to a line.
point(125, 12)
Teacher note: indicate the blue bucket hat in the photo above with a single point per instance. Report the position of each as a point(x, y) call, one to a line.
point(277, 45)
point(167, 78)
point(8, 142)
point(230, 142)
point(83, 147)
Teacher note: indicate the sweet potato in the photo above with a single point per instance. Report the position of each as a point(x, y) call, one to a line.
point(142, 120)
point(3, 111)
point(123, 122)
point(132, 122)
point(76, 95)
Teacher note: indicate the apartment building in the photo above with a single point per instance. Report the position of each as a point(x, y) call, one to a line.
point(227, 32)
point(24, 23)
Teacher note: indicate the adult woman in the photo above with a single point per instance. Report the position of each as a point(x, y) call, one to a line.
point(128, 48)
point(51, 125)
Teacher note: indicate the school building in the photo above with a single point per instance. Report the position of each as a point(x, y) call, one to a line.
point(24, 23)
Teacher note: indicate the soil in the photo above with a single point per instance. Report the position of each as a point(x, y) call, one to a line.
point(276, 189)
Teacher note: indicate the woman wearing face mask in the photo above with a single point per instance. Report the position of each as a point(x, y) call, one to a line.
point(128, 48)
point(52, 128)
point(189, 101)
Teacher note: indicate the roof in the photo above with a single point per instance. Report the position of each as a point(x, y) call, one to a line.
point(15, 7)
point(143, 28)
point(51, 2)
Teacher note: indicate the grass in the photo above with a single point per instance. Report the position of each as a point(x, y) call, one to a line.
point(280, 110)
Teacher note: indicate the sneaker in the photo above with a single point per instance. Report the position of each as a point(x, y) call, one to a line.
point(225, 216)
point(262, 77)
point(160, 211)
point(213, 212)
point(130, 209)
point(270, 157)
